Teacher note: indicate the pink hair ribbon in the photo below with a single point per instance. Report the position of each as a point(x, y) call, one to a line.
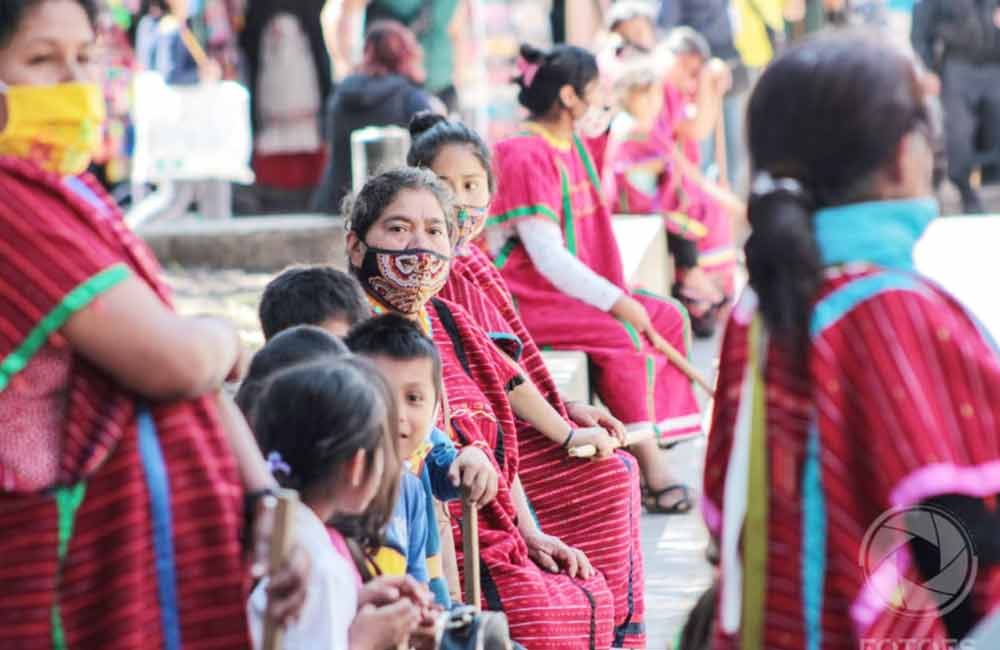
point(527, 70)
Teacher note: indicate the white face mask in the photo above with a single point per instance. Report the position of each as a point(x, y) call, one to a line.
point(595, 121)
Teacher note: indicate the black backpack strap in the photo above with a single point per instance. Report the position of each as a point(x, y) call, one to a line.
point(448, 322)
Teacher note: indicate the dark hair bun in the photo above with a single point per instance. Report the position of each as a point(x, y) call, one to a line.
point(531, 54)
point(424, 121)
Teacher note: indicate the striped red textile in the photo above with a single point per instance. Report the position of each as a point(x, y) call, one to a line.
point(588, 505)
point(904, 393)
point(51, 242)
point(545, 610)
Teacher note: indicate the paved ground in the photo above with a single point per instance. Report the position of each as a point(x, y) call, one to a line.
point(674, 546)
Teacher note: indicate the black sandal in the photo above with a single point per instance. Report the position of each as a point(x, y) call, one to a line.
point(702, 326)
point(651, 501)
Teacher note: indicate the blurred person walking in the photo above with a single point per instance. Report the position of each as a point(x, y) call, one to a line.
point(165, 44)
point(437, 25)
point(960, 40)
point(385, 89)
point(290, 79)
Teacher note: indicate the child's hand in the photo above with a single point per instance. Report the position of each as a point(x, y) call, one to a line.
point(588, 415)
point(551, 553)
point(604, 443)
point(474, 472)
point(386, 590)
point(378, 628)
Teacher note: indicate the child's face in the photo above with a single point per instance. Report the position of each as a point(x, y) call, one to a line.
point(413, 384)
point(337, 325)
point(686, 73)
point(461, 169)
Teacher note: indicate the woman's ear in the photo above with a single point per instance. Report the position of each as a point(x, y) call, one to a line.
point(355, 249)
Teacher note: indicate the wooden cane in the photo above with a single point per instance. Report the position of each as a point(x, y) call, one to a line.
point(470, 553)
point(281, 542)
point(632, 438)
point(680, 361)
point(721, 151)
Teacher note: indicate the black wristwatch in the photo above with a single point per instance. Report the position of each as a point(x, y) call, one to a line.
point(250, 501)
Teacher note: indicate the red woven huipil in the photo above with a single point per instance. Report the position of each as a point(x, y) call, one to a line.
point(591, 505)
point(545, 610)
point(79, 551)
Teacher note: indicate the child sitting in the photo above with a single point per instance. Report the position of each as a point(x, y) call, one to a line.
point(413, 367)
point(322, 295)
point(312, 295)
point(328, 428)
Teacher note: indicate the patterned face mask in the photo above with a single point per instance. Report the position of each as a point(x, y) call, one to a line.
point(470, 224)
point(58, 127)
point(404, 280)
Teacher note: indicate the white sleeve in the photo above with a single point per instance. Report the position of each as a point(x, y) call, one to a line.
point(544, 244)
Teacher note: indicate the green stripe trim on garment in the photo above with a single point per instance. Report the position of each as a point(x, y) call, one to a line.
point(595, 178)
point(536, 210)
point(632, 334)
point(755, 534)
point(68, 500)
point(72, 302)
point(504, 254)
point(569, 229)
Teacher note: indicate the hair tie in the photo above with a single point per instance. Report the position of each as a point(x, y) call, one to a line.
point(765, 185)
point(275, 463)
point(528, 70)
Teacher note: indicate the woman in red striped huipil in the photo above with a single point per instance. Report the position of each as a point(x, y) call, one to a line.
point(567, 495)
point(399, 247)
point(120, 496)
point(854, 458)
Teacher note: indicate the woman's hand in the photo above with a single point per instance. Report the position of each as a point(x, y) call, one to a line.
point(552, 554)
point(631, 311)
point(286, 588)
point(473, 471)
point(603, 442)
point(588, 415)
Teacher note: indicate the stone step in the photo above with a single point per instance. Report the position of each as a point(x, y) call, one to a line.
point(642, 241)
point(248, 243)
point(571, 373)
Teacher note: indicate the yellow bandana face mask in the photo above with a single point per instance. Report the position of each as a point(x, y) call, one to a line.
point(57, 127)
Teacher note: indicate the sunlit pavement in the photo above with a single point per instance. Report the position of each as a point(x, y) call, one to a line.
point(674, 545)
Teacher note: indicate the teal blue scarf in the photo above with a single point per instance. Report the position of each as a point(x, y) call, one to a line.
point(883, 233)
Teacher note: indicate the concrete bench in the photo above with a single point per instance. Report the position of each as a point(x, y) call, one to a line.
point(642, 241)
point(248, 243)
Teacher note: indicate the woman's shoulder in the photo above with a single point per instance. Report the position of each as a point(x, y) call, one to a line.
point(524, 153)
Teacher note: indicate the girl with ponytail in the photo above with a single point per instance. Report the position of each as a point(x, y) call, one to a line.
point(854, 394)
point(550, 234)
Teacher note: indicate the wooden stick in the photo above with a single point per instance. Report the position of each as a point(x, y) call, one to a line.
point(721, 152)
point(680, 361)
point(194, 48)
point(281, 541)
point(632, 438)
point(470, 553)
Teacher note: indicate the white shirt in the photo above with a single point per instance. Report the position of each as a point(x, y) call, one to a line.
point(331, 599)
